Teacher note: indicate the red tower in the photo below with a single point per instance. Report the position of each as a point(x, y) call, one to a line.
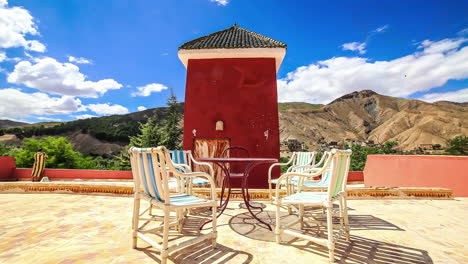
point(231, 95)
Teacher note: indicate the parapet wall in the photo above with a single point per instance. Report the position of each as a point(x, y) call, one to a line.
point(449, 172)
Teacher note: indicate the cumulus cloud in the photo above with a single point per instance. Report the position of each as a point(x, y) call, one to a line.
point(79, 60)
point(355, 46)
point(421, 71)
point(107, 109)
point(16, 104)
point(148, 89)
point(15, 24)
point(49, 75)
point(460, 96)
point(83, 116)
point(221, 2)
point(142, 108)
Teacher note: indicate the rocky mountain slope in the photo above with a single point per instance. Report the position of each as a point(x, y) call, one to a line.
point(366, 115)
point(359, 116)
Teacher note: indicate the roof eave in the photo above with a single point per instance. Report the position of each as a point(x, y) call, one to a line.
point(277, 53)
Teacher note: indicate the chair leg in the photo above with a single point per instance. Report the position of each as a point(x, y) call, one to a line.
point(301, 215)
point(214, 224)
point(345, 218)
point(136, 215)
point(270, 192)
point(278, 224)
point(331, 243)
point(164, 253)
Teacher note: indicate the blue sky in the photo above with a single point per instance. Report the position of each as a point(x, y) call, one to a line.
point(69, 59)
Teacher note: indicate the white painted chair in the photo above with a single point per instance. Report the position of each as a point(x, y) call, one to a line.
point(336, 193)
point(183, 161)
point(151, 168)
point(299, 162)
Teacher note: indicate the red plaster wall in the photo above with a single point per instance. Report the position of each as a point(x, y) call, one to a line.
point(418, 171)
point(7, 168)
point(243, 94)
point(64, 174)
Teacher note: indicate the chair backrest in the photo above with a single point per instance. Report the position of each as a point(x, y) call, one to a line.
point(326, 175)
point(238, 152)
point(339, 174)
point(302, 159)
point(181, 157)
point(150, 167)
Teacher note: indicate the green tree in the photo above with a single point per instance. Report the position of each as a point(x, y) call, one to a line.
point(59, 150)
point(171, 132)
point(149, 135)
point(6, 150)
point(457, 146)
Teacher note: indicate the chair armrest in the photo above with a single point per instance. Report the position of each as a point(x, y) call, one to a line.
point(277, 164)
point(210, 168)
point(199, 174)
point(286, 176)
point(184, 167)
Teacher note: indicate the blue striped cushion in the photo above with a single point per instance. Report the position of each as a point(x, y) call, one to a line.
point(306, 197)
point(185, 198)
point(152, 184)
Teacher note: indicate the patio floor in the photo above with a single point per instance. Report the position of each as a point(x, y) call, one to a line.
point(66, 228)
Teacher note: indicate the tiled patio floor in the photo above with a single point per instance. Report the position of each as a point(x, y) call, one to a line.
point(61, 228)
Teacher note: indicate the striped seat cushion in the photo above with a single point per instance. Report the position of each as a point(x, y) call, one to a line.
point(182, 199)
point(306, 198)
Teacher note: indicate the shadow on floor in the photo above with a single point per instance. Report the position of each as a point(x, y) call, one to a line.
point(245, 225)
point(364, 250)
point(201, 252)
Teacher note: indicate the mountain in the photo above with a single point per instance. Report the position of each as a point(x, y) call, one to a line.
point(366, 115)
point(4, 123)
point(359, 116)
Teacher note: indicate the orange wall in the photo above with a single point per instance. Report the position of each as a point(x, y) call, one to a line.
point(449, 172)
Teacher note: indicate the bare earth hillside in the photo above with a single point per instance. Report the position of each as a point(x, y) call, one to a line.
point(366, 115)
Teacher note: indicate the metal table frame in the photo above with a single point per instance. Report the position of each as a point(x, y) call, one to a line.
point(250, 164)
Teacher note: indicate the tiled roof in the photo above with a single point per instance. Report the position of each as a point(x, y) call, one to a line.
point(234, 37)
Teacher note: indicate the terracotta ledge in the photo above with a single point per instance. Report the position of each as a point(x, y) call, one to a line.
point(126, 189)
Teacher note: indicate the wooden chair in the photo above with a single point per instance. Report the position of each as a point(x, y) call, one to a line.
point(299, 161)
point(151, 168)
point(336, 193)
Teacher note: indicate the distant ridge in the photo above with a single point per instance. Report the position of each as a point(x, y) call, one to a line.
point(360, 116)
point(5, 123)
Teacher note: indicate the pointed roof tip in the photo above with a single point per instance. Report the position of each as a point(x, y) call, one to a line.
point(234, 37)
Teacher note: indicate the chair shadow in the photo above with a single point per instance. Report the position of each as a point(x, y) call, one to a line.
point(357, 250)
point(200, 252)
point(364, 250)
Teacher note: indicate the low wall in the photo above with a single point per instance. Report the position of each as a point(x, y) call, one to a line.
point(64, 174)
point(7, 168)
point(418, 171)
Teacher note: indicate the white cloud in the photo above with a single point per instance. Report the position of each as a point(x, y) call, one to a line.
point(107, 109)
point(355, 46)
point(2, 55)
point(79, 60)
point(445, 45)
point(49, 75)
point(15, 24)
point(83, 116)
point(463, 32)
point(148, 89)
point(16, 104)
point(142, 108)
point(49, 119)
point(221, 2)
point(381, 29)
point(460, 96)
point(326, 80)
